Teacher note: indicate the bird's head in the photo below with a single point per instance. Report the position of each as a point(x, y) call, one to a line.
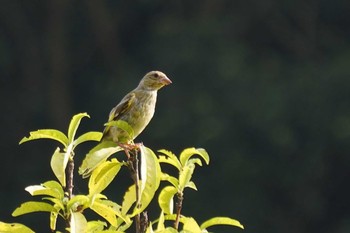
point(154, 80)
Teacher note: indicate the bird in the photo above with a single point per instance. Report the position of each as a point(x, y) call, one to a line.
point(136, 108)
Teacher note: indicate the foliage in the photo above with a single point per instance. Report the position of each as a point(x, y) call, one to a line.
point(58, 200)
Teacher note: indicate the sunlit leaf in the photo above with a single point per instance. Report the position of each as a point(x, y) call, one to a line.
point(128, 199)
point(191, 185)
point(78, 223)
point(170, 230)
point(36, 190)
point(14, 228)
point(150, 177)
point(149, 229)
point(221, 221)
point(123, 125)
point(58, 164)
point(53, 219)
point(46, 134)
point(103, 175)
point(89, 136)
point(170, 217)
point(195, 161)
point(78, 202)
point(94, 226)
point(165, 199)
point(104, 211)
point(123, 227)
point(58, 203)
point(185, 176)
point(190, 225)
point(32, 206)
point(54, 185)
point(74, 124)
point(189, 152)
point(96, 156)
point(102, 205)
point(160, 225)
point(170, 158)
point(174, 181)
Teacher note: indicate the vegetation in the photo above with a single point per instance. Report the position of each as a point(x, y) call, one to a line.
point(59, 200)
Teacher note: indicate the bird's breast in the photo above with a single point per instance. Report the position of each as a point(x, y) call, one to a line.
point(143, 111)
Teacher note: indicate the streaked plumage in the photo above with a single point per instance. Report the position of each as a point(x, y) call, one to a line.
point(136, 108)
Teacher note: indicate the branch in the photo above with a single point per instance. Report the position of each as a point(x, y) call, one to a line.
point(69, 175)
point(69, 186)
point(133, 164)
point(179, 200)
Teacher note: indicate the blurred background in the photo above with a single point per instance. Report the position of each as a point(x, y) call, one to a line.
point(263, 86)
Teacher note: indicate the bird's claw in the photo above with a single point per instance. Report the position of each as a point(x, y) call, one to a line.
point(127, 147)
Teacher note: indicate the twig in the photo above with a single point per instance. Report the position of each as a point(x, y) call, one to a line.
point(179, 200)
point(133, 163)
point(69, 186)
point(69, 175)
point(144, 221)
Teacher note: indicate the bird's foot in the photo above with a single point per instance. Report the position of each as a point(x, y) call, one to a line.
point(127, 147)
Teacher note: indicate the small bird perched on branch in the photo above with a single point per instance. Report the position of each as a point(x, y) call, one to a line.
point(136, 108)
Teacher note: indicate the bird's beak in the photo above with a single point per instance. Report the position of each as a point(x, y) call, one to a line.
point(165, 80)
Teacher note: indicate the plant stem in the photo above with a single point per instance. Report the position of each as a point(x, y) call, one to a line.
point(133, 163)
point(69, 175)
point(69, 186)
point(179, 200)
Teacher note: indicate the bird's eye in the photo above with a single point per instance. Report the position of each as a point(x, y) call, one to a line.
point(156, 75)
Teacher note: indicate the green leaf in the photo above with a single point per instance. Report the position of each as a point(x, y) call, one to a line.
point(107, 209)
point(185, 176)
point(195, 161)
point(103, 175)
point(189, 152)
point(78, 202)
point(221, 221)
point(104, 211)
point(74, 124)
point(190, 225)
point(58, 164)
point(49, 188)
point(78, 223)
point(123, 227)
point(89, 136)
point(123, 125)
point(58, 203)
point(174, 181)
point(14, 228)
point(150, 178)
point(46, 134)
point(36, 190)
point(165, 199)
point(170, 159)
point(32, 206)
point(170, 230)
point(53, 219)
point(129, 199)
point(170, 217)
point(97, 155)
point(160, 225)
point(191, 185)
point(94, 226)
point(150, 228)
point(54, 185)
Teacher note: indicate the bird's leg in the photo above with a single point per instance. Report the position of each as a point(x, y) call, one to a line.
point(127, 147)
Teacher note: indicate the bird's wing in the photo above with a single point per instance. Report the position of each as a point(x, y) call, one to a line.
point(122, 107)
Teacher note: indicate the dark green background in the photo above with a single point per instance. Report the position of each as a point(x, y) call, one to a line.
point(262, 85)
